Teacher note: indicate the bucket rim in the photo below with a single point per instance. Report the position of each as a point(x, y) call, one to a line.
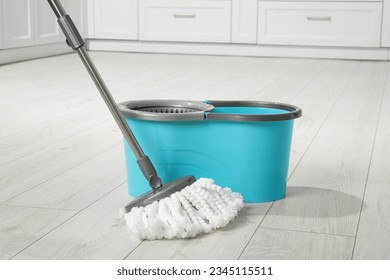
point(202, 110)
point(292, 111)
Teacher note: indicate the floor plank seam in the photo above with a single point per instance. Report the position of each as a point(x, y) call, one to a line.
point(32, 243)
point(369, 164)
point(65, 221)
point(39, 207)
point(254, 232)
point(135, 248)
point(104, 195)
point(63, 171)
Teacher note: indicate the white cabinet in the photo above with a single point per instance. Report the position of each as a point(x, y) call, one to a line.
point(116, 19)
point(185, 20)
point(32, 22)
point(18, 23)
point(46, 28)
point(385, 41)
point(1, 25)
point(77, 10)
point(336, 24)
point(244, 21)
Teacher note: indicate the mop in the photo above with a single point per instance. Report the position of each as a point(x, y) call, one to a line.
point(182, 208)
point(198, 208)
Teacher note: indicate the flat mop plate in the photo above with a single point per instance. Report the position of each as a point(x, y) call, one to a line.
point(160, 193)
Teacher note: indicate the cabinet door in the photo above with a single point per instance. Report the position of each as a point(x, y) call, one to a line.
point(385, 40)
point(244, 21)
point(18, 23)
point(77, 9)
point(116, 19)
point(1, 25)
point(46, 27)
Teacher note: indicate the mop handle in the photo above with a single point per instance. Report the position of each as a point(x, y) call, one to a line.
point(76, 42)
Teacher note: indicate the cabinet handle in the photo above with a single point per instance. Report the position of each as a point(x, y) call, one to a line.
point(184, 15)
point(319, 18)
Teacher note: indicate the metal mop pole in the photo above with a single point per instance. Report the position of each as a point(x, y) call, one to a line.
point(76, 42)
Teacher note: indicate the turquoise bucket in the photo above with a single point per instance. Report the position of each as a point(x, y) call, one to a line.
point(244, 145)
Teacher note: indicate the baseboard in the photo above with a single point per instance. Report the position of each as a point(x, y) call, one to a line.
point(32, 52)
point(239, 50)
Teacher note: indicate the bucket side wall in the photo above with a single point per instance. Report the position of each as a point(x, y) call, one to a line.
point(250, 157)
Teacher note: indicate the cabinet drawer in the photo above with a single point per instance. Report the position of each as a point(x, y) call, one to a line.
point(348, 24)
point(185, 20)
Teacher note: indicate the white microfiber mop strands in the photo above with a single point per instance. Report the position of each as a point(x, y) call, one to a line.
point(198, 208)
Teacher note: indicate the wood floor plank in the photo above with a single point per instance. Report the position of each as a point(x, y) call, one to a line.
point(288, 87)
point(147, 76)
point(318, 98)
point(98, 232)
point(385, 109)
point(21, 226)
point(371, 71)
point(297, 151)
point(38, 70)
point(361, 100)
point(26, 87)
point(163, 76)
point(41, 136)
point(316, 101)
point(187, 79)
point(271, 244)
point(225, 243)
point(39, 114)
point(252, 79)
point(330, 179)
point(327, 176)
point(80, 186)
point(139, 72)
point(326, 189)
point(372, 241)
point(379, 170)
point(28, 95)
point(25, 173)
point(65, 89)
point(6, 158)
point(240, 79)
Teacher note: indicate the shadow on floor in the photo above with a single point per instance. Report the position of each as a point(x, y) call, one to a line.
point(316, 203)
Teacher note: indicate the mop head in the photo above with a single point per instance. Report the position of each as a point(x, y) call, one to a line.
point(198, 208)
